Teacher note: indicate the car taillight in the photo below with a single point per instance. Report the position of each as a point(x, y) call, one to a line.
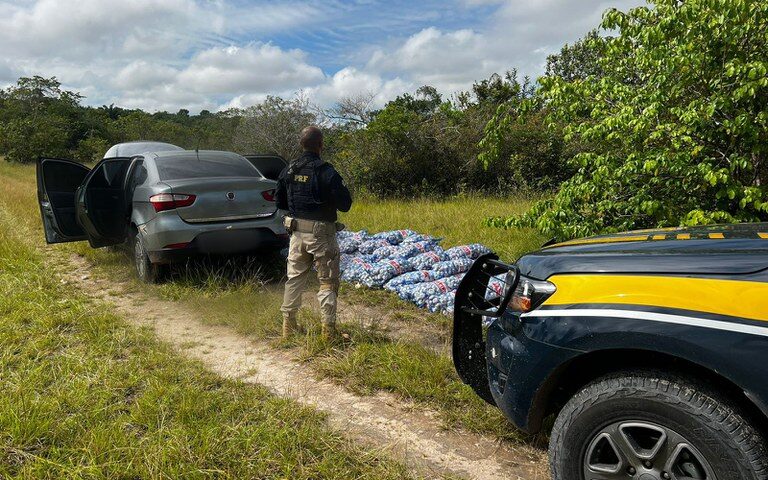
point(168, 201)
point(269, 195)
point(529, 294)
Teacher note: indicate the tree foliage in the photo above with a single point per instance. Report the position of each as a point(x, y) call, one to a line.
point(39, 118)
point(421, 144)
point(274, 126)
point(518, 140)
point(674, 130)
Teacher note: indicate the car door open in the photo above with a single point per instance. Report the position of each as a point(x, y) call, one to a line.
point(100, 203)
point(57, 182)
point(268, 165)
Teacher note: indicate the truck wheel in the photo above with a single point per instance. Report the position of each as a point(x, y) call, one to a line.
point(653, 426)
point(147, 271)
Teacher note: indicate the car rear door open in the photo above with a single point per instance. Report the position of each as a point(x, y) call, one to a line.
point(101, 206)
point(57, 181)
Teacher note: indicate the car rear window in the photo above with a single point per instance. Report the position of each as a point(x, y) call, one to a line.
point(176, 168)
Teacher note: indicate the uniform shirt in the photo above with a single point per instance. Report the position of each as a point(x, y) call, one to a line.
point(315, 191)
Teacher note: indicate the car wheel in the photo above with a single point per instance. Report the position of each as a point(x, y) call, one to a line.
point(652, 426)
point(147, 271)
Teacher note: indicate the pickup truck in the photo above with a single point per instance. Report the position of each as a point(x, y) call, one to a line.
point(649, 349)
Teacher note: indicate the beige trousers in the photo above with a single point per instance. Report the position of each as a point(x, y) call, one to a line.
point(321, 248)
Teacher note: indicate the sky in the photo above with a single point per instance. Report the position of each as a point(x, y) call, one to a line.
point(217, 54)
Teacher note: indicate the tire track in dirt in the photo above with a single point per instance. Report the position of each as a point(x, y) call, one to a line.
point(409, 434)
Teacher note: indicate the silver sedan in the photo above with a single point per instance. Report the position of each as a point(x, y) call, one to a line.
point(167, 204)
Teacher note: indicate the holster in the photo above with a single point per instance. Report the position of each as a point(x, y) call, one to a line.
point(290, 224)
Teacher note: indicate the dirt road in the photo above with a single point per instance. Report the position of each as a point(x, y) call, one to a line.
point(408, 433)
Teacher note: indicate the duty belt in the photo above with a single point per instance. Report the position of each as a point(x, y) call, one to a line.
point(308, 226)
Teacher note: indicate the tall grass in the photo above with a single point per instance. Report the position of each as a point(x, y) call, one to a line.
point(83, 395)
point(243, 295)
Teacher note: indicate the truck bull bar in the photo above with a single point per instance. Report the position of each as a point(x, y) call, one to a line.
point(475, 299)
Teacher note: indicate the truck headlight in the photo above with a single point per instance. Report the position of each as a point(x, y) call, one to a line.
point(529, 294)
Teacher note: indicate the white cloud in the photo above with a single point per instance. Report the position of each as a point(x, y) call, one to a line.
point(140, 74)
point(256, 68)
point(219, 71)
point(171, 54)
point(349, 82)
point(81, 29)
point(519, 35)
point(446, 60)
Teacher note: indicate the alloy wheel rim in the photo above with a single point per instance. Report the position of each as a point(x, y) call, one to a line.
point(645, 451)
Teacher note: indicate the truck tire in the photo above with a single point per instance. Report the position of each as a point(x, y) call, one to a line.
point(147, 271)
point(649, 425)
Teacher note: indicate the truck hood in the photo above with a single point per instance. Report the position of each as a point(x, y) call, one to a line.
point(736, 249)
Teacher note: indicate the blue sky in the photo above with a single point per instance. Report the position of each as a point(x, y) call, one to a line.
point(215, 54)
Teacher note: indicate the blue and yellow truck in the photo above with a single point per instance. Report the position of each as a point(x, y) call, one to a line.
point(649, 349)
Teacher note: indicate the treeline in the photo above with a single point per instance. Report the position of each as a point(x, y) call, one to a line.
point(652, 121)
point(419, 144)
point(39, 118)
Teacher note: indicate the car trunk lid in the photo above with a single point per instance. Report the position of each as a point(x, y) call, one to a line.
point(225, 199)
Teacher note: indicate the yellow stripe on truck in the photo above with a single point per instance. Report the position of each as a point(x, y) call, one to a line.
point(588, 241)
point(725, 297)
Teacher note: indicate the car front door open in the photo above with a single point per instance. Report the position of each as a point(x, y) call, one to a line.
point(57, 181)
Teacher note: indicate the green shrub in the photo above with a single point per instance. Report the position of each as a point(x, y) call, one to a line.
point(674, 132)
point(91, 149)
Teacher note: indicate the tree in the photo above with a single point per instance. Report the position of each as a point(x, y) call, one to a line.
point(425, 102)
point(675, 132)
point(517, 143)
point(37, 118)
point(274, 126)
point(353, 110)
point(578, 61)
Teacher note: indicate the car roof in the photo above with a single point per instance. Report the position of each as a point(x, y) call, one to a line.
point(128, 149)
point(208, 154)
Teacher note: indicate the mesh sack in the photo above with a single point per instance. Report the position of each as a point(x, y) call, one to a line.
point(426, 292)
point(418, 237)
point(473, 251)
point(404, 251)
point(452, 267)
point(346, 260)
point(348, 245)
point(361, 235)
point(410, 278)
point(495, 287)
point(379, 273)
point(424, 261)
point(357, 272)
point(442, 303)
point(394, 237)
point(369, 246)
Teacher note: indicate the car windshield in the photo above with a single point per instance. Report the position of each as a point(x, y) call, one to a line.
point(175, 168)
point(135, 148)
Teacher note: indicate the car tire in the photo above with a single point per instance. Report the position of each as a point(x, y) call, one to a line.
point(147, 271)
point(611, 428)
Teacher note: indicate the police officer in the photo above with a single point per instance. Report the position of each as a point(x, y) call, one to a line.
point(312, 191)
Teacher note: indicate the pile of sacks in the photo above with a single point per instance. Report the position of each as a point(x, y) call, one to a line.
point(412, 265)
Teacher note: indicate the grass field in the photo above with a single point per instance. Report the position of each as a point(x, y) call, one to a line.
point(221, 293)
point(83, 395)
